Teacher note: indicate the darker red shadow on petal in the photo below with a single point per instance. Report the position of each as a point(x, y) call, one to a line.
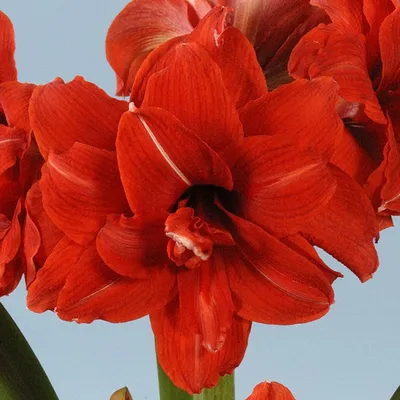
point(187, 363)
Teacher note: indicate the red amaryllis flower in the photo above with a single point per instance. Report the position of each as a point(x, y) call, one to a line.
point(271, 391)
point(168, 209)
point(80, 119)
point(358, 49)
point(18, 159)
point(273, 28)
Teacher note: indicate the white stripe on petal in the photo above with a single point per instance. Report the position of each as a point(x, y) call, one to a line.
point(5, 141)
point(68, 174)
point(290, 177)
point(383, 207)
point(164, 153)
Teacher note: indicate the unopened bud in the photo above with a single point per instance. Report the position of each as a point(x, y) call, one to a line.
point(121, 394)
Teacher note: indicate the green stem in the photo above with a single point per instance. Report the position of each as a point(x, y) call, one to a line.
point(21, 375)
point(396, 394)
point(225, 390)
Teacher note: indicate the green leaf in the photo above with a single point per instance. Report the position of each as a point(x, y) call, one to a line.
point(21, 375)
point(396, 395)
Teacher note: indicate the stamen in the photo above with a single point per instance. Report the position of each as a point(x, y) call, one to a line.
point(189, 245)
point(192, 239)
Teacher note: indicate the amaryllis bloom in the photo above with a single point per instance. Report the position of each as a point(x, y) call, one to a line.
point(178, 206)
point(359, 50)
point(18, 159)
point(272, 27)
point(271, 391)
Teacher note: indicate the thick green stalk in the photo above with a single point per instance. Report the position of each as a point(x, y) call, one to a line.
point(168, 390)
point(396, 395)
point(21, 375)
point(225, 390)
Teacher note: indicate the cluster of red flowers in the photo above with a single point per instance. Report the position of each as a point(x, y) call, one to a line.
point(255, 131)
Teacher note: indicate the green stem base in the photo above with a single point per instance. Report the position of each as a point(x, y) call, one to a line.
point(225, 390)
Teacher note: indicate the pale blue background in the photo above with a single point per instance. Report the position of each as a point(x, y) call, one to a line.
point(353, 353)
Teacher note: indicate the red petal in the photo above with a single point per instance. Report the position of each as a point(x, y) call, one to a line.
point(80, 188)
point(348, 14)
point(393, 107)
point(14, 100)
point(327, 51)
point(250, 16)
point(44, 290)
point(153, 63)
point(234, 54)
point(4, 225)
point(347, 227)
point(241, 72)
point(269, 22)
point(30, 166)
point(235, 345)
point(10, 276)
point(352, 158)
point(272, 283)
point(190, 87)
point(10, 241)
point(13, 143)
point(384, 222)
point(138, 29)
point(271, 391)
point(11, 192)
point(384, 183)
point(168, 160)
point(205, 303)
point(389, 41)
point(187, 363)
point(93, 291)
point(132, 247)
point(8, 71)
point(375, 12)
point(10, 236)
point(274, 54)
point(275, 27)
point(62, 114)
point(303, 111)
point(202, 7)
point(281, 187)
point(303, 247)
point(40, 234)
point(211, 26)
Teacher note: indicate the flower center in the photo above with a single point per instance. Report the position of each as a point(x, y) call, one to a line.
point(194, 229)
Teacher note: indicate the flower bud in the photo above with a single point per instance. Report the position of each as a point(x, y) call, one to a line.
point(121, 394)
